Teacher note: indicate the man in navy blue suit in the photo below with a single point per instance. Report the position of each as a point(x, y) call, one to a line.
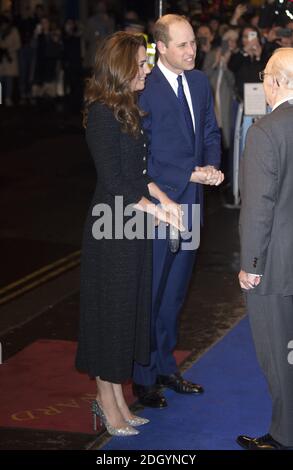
point(184, 154)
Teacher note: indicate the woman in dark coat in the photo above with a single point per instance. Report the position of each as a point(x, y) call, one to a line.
point(116, 267)
point(249, 60)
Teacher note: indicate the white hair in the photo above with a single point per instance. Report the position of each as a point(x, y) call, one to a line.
point(231, 34)
point(282, 66)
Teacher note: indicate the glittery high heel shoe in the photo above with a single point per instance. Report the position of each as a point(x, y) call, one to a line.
point(137, 421)
point(122, 432)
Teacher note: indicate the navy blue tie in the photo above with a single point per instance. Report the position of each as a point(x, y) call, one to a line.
point(185, 107)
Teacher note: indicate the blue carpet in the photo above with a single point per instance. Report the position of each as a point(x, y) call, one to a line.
point(236, 401)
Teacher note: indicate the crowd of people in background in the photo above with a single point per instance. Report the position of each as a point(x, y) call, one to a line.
point(42, 59)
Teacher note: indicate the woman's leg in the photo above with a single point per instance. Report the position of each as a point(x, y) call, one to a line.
point(107, 400)
point(120, 400)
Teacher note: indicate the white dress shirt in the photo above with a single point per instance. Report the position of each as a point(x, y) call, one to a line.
point(172, 79)
point(282, 101)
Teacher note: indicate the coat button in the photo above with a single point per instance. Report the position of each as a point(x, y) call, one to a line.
point(144, 172)
point(144, 145)
point(141, 131)
point(144, 159)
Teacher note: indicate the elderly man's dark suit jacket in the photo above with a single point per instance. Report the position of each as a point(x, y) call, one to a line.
point(266, 185)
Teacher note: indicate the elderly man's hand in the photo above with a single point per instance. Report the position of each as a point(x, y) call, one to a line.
point(248, 281)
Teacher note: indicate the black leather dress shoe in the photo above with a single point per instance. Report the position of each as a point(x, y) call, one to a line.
point(149, 396)
point(178, 384)
point(266, 442)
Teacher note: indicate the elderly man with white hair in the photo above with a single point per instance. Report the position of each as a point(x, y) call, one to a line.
point(266, 232)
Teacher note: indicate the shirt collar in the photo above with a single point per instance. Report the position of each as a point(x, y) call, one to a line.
point(171, 76)
point(282, 101)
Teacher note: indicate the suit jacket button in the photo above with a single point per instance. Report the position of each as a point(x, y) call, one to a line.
point(144, 172)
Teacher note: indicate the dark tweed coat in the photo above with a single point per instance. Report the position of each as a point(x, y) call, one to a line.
point(115, 273)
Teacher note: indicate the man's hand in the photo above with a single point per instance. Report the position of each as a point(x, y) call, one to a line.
point(248, 281)
point(207, 175)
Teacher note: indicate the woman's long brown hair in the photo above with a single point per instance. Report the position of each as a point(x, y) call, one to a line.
point(115, 67)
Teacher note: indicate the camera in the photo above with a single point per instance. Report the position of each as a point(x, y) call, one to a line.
point(251, 35)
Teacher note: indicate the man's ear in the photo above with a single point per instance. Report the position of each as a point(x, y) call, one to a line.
point(161, 46)
point(275, 85)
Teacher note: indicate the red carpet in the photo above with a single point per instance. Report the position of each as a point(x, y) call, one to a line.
point(41, 389)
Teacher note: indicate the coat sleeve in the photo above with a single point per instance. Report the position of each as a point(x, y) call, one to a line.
point(212, 137)
point(103, 138)
point(258, 187)
point(170, 178)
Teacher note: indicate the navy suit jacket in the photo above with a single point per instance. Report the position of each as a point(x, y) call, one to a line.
point(172, 155)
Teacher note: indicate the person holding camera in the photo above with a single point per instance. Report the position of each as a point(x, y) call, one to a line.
point(206, 52)
point(249, 61)
point(222, 82)
point(9, 46)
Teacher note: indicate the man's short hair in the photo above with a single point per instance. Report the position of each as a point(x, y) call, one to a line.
point(162, 25)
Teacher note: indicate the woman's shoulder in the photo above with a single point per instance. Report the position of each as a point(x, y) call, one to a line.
point(98, 110)
point(101, 108)
point(100, 118)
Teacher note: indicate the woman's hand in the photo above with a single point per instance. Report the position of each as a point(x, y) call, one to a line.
point(170, 206)
point(256, 49)
point(171, 213)
point(239, 11)
point(167, 211)
point(253, 49)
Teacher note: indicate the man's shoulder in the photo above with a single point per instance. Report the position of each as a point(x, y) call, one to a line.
point(284, 112)
point(281, 117)
point(198, 83)
point(260, 129)
point(197, 78)
point(153, 79)
point(197, 75)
